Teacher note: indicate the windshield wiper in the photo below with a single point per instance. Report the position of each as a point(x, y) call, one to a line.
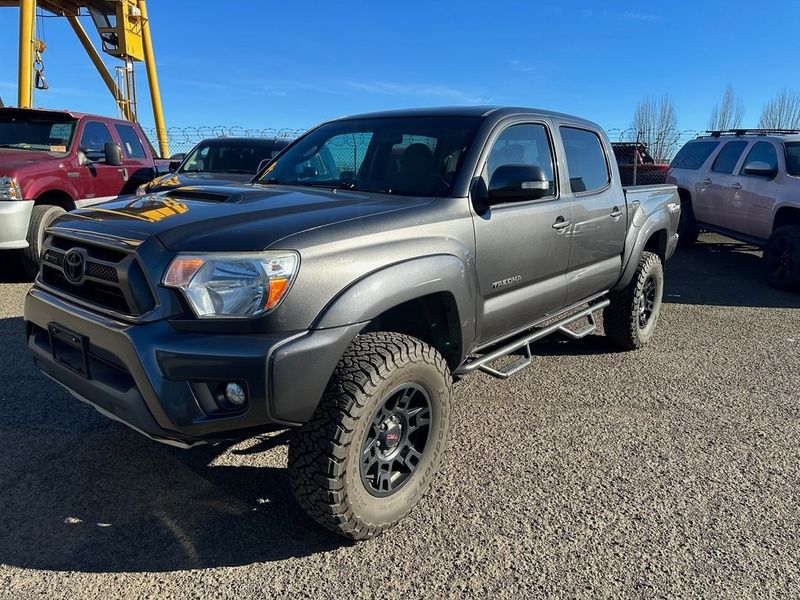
point(19, 145)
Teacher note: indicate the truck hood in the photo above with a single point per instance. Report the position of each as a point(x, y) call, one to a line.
point(173, 180)
point(13, 160)
point(228, 218)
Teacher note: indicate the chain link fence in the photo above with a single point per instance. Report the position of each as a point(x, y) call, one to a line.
point(657, 145)
point(183, 139)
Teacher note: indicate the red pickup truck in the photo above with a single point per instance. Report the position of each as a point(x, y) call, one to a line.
point(636, 166)
point(55, 161)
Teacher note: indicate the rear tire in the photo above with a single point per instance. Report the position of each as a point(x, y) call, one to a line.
point(687, 225)
point(630, 319)
point(781, 258)
point(42, 216)
point(377, 438)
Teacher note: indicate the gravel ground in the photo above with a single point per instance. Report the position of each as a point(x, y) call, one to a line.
point(668, 472)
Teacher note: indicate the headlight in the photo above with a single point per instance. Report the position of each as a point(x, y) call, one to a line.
point(232, 285)
point(9, 189)
point(142, 189)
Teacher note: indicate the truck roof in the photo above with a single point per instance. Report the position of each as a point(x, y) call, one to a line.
point(64, 113)
point(484, 111)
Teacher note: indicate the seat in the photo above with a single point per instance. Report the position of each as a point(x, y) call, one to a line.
point(417, 168)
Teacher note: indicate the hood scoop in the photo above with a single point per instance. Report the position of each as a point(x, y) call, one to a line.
point(202, 194)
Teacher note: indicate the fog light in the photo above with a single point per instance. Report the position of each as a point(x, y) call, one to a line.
point(235, 394)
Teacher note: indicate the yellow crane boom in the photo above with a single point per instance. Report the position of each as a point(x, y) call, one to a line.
point(124, 31)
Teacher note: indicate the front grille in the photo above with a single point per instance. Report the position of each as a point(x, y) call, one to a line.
point(112, 279)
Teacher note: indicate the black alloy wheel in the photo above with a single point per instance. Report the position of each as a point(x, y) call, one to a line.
point(395, 440)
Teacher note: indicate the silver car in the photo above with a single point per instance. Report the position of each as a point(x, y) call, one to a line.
point(744, 184)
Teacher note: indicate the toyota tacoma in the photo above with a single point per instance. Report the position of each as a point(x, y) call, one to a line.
point(373, 262)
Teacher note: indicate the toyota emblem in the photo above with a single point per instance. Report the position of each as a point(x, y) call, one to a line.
point(74, 264)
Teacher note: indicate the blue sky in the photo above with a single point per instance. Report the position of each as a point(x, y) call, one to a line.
point(260, 64)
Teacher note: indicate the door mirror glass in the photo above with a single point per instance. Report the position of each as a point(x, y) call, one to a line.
point(173, 165)
point(760, 169)
point(113, 154)
point(512, 183)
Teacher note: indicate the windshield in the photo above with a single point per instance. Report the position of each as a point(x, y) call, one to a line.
point(39, 132)
point(793, 158)
point(227, 158)
point(412, 156)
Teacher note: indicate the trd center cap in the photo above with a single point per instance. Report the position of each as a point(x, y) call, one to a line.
point(391, 435)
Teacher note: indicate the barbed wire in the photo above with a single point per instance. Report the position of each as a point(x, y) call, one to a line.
point(663, 143)
point(183, 139)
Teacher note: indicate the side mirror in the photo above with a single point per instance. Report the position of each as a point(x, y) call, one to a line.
point(512, 183)
point(113, 154)
point(760, 169)
point(175, 161)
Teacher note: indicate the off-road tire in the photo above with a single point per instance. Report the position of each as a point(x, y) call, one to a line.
point(781, 258)
point(42, 216)
point(687, 225)
point(622, 319)
point(325, 453)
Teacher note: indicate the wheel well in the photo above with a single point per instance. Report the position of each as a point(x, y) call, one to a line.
point(786, 215)
point(433, 319)
point(657, 244)
point(56, 198)
point(684, 195)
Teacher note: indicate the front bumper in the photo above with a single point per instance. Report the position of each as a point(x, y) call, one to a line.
point(15, 215)
point(161, 381)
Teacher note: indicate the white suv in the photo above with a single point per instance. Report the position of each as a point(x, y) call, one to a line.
point(744, 184)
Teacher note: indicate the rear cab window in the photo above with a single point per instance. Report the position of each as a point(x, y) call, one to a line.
point(693, 155)
point(728, 157)
point(586, 160)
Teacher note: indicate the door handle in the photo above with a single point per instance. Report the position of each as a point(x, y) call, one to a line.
point(707, 180)
point(616, 213)
point(560, 224)
point(736, 186)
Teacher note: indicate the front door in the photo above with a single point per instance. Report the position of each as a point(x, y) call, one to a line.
point(523, 246)
point(598, 216)
point(99, 181)
point(754, 218)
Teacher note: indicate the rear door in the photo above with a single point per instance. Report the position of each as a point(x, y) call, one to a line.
point(717, 195)
point(99, 181)
point(137, 167)
point(753, 215)
point(521, 258)
point(598, 215)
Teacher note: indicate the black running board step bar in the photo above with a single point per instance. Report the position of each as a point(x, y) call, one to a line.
point(483, 363)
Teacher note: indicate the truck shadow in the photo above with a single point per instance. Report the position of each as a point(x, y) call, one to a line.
point(718, 271)
point(82, 493)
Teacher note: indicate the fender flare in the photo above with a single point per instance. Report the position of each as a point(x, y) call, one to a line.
point(652, 224)
point(395, 284)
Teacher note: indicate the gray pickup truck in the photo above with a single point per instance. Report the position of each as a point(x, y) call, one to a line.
point(373, 262)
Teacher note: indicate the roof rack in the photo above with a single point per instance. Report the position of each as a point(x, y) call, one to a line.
point(740, 132)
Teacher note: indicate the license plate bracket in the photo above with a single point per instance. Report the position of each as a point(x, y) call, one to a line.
point(69, 349)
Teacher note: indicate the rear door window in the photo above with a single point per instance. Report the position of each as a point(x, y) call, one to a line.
point(728, 157)
point(693, 155)
point(763, 152)
point(131, 143)
point(586, 160)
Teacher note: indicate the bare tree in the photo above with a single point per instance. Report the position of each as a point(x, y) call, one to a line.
point(654, 122)
point(782, 112)
point(728, 113)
